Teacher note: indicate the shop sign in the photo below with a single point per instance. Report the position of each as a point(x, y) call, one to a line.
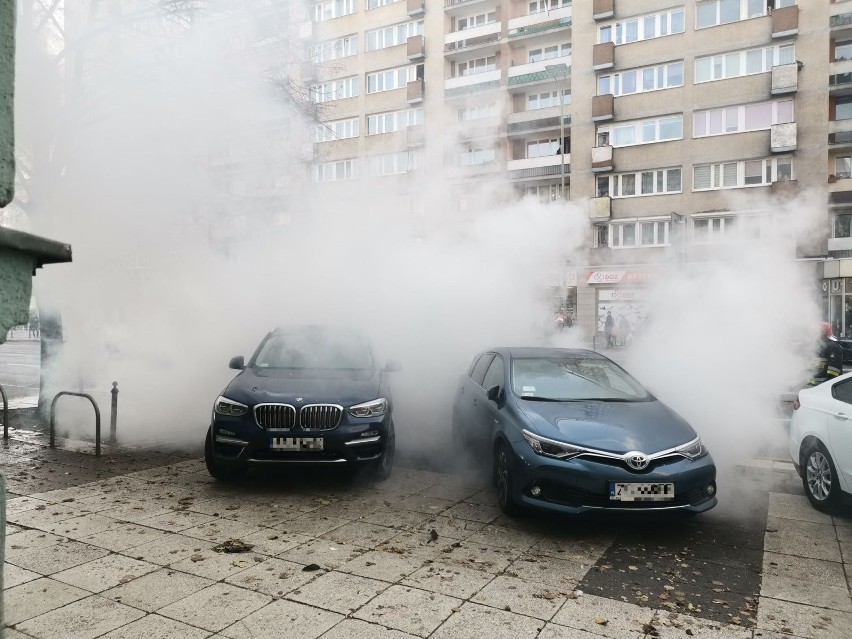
point(617, 277)
point(620, 295)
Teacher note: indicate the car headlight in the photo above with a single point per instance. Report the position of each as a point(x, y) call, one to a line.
point(693, 449)
point(552, 448)
point(374, 408)
point(225, 406)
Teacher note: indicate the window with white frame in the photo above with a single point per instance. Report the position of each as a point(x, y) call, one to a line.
point(390, 79)
point(542, 148)
point(740, 63)
point(638, 234)
point(712, 13)
point(655, 25)
point(745, 173)
point(478, 112)
point(843, 225)
point(336, 130)
point(478, 65)
point(335, 171)
point(549, 52)
point(539, 6)
point(654, 182)
point(656, 78)
point(391, 121)
point(372, 4)
point(475, 157)
point(710, 230)
point(547, 99)
point(843, 167)
point(543, 193)
point(643, 131)
point(744, 117)
point(334, 49)
point(394, 163)
point(393, 35)
point(335, 90)
point(334, 9)
point(478, 20)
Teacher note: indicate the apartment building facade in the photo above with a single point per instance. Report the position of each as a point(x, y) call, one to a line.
point(681, 127)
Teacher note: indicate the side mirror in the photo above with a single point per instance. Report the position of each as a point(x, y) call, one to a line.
point(392, 366)
point(238, 362)
point(495, 394)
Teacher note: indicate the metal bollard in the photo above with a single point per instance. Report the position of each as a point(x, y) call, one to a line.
point(5, 414)
point(113, 413)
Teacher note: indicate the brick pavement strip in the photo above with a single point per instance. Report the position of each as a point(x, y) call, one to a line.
point(131, 556)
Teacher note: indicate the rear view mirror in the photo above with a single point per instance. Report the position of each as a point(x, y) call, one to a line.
point(238, 362)
point(392, 366)
point(495, 394)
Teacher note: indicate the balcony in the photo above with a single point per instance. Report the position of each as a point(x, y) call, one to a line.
point(602, 159)
point(784, 188)
point(414, 91)
point(537, 168)
point(416, 8)
point(603, 56)
point(520, 29)
point(782, 137)
point(452, 7)
point(603, 9)
point(785, 22)
point(840, 244)
point(468, 39)
point(486, 132)
point(603, 107)
point(521, 76)
point(467, 84)
point(600, 208)
point(840, 26)
point(840, 83)
point(536, 121)
point(416, 48)
point(840, 140)
point(785, 78)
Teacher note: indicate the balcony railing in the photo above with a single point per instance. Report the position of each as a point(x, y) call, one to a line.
point(841, 137)
point(460, 45)
point(839, 81)
point(467, 89)
point(515, 128)
point(539, 171)
point(526, 78)
point(842, 20)
point(540, 28)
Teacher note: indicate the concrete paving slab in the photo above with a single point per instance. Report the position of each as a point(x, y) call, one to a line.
point(602, 616)
point(122, 536)
point(220, 530)
point(523, 597)
point(448, 527)
point(479, 556)
point(338, 592)
point(361, 534)
point(300, 621)
point(559, 573)
point(312, 524)
point(502, 537)
point(22, 504)
point(271, 543)
point(177, 520)
point(55, 558)
point(37, 597)
point(385, 566)
point(326, 553)
point(15, 576)
point(795, 507)
point(554, 631)
point(156, 627)
point(28, 539)
point(273, 577)
point(813, 582)
point(577, 547)
point(157, 589)
point(417, 612)
point(472, 619)
point(105, 572)
point(667, 625)
point(84, 619)
point(484, 513)
point(422, 504)
point(449, 492)
point(355, 628)
point(216, 565)
point(216, 607)
point(136, 511)
point(404, 520)
point(43, 518)
point(448, 579)
point(802, 621)
point(168, 549)
point(79, 527)
point(803, 539)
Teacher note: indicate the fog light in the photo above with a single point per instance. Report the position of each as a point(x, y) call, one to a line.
point(370, 433)
point(535, 491)
point(222, 431)
point(711, 490)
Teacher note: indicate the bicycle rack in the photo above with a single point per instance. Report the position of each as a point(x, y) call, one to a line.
point(97, 419)
point(5, 414)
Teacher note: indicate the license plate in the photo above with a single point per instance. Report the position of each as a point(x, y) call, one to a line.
point(640, 492)
point(298, 444)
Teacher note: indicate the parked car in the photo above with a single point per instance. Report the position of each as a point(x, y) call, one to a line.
point(569, 430)
point(308, 395)
point(821, 442)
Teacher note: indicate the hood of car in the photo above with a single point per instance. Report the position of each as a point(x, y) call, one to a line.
point(344, 387)
point(617, 427)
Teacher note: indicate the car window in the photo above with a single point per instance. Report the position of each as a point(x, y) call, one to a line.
point(481, 366)
point(842, 391)
point(574, 378)
point(494, 376)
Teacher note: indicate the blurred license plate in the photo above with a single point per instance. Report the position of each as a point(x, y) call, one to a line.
point(296, 443)
point(640, 492)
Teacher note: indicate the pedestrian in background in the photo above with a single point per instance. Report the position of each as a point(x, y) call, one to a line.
point(609, 330)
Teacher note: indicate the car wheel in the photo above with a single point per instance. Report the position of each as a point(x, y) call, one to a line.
point(819, 477)
point(219, 471)
point(504, 477)
point(382, 469)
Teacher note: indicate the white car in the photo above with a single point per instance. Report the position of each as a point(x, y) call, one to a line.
point(821, 442)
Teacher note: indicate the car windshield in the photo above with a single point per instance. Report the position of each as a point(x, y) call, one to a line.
point(313, 350)
point(573, 378)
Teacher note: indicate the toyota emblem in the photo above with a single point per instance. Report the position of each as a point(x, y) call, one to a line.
point(637, 461)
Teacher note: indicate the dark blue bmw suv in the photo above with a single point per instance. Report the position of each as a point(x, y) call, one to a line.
point(308, 395)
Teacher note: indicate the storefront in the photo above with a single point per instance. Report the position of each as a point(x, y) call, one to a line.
point(837, 304)
point(618, 294)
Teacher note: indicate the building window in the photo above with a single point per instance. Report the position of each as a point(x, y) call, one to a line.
point(740, 63)
point(655, 25)
point(638, 234)
point(476, 157)
point(334, 9)
point(478, 112)
point(656, 182)
point(539, 6)
point(712, 13)
point(548, 53)
point(476, 21)
point(733, 175)
point(547, 99)
point(544, 193)
point(843, 225)
point(337, 130)
point(479, 65)
point(542, 148)
point(708, 230)
point(390, 79)
point(379, 123)
point(394, 163)
point(843, 108)
point(843, 167)
point(336, 171)
point(747, 117)
point(393, 35)
point(334, 49)
point(843, 50)
point(601, 235)
point(643, 132)
point(372, 4)
point(664, 76)
point(335, 90)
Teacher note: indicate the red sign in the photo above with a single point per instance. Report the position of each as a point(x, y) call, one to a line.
point(618, 277)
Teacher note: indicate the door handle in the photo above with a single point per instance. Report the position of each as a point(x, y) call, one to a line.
point(841, 415)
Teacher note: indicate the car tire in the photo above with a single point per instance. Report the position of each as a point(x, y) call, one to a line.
point(219, 471)
point(504, 479)
point(819, 477)
point(384, 466)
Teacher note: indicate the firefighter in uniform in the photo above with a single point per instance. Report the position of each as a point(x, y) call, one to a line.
point(830, 360)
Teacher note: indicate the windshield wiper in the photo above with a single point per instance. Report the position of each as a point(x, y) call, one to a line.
point(538, 398)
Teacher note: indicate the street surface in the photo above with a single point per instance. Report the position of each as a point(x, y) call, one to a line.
point(126, 546)
point(20, 363)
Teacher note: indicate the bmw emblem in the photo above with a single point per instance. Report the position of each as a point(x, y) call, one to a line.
point(636, 460)
point(300, 399)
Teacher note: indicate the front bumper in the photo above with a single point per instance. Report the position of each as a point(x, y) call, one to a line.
point(240, 441)
point(581, 485)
